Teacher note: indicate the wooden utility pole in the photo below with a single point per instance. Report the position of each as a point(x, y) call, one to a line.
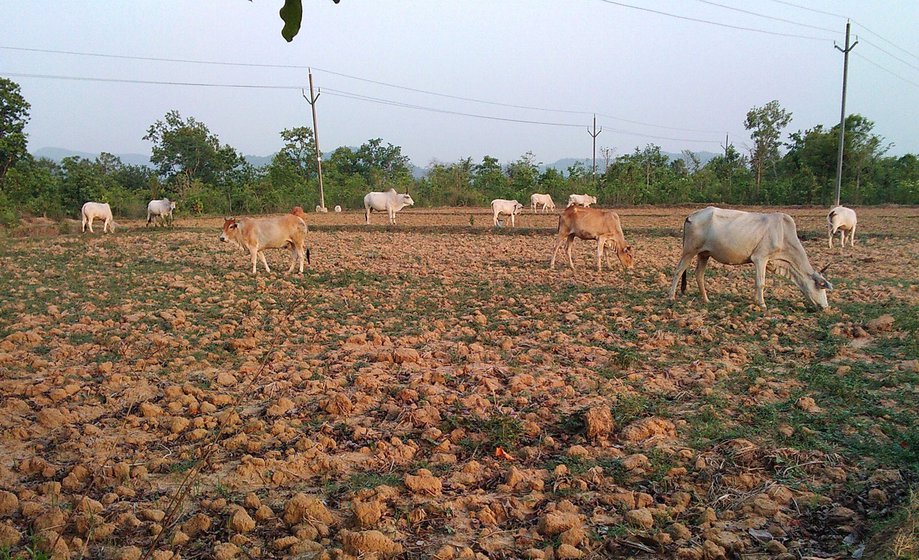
point(842, 116)
point(312, 101)
point(594, 133)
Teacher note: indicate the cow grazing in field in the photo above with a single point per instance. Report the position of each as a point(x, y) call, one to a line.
point(337, 209)
point(321, 209)
point(735, 237)
point(581, 200)
point(100, 210)
point(543, 200)
point(160, 210)
point(389, 202)
point(509, 207)
point(277, 232)
point(843, 220)
point(592, 223)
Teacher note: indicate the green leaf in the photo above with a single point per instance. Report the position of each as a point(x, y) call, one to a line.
point(292, 14)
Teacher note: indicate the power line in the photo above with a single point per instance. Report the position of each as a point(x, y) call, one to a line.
point(709, 22)
point(891, 72)
point(766, 16)
point(810, 9)
point(860, 24)
point(145, 82)
point(352, 77)
point(891, 55)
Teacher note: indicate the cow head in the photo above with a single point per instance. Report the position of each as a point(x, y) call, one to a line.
point(230, 226)
point(407, 200)
point(172, 205)
point(625, 256)
point(593, 199)
point(814, 286)
point(517, 207)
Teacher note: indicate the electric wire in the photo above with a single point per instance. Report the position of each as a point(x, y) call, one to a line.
point(816, 11)
point(890, 54)
point(767, 16)
point(891, 72)
point(860, 24)
point(710, 22)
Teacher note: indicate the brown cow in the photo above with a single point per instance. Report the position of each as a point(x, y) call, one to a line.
point(276, 232)
point(592, 223)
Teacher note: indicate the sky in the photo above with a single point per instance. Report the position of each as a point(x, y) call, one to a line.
point(447, 80)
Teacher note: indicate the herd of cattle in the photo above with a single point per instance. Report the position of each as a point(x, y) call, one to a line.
point(768, 241)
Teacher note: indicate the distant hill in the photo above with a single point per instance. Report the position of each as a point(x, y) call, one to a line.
point(564, 163)
point(58, 154)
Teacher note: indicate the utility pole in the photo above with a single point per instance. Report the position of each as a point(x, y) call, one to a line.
point(726, 144)
point(842, 116)
point(594, 133)
point(312, 101)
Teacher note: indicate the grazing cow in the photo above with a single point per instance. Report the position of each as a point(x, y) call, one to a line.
point(843, 220)
point(389, 201)
point(735, 237)
point(101, 210)
point(545, 200)
point(510, 207)
point(160, 210)
point(277, 232)
point(321, 209)
point(592, 223)
point(581, 200)
point(337, 209)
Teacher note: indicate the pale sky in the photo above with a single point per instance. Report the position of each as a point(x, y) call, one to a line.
point(684, 84)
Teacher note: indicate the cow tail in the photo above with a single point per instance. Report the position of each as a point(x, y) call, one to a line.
point(308, 255)
point(683, 283)
point(832, 213)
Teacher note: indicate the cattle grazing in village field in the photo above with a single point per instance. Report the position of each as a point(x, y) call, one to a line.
point(581, 200)
point(735, 237)
point(276, 232)
point(501, 206)
point(543, 200)
point(337, 209)
point(592, 223)
point(100, 210)
point(843, 220)
point(389, 202)
point(160, 210)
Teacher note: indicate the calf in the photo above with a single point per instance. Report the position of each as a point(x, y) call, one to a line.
point(591, 223)
point(276, 232)
point(101, 210)
point(843, 220)
point(510, 207)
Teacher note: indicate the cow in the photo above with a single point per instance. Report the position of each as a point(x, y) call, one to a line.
point(510, 207)
point(101, 210)
point(581, 200)
point(843, 220)
point(735, 237)
point(389, 201)
point(321, 209)
point(592, 223)
point(160, 210)
point(545, 200)
point(337, 209)
point(277, 232)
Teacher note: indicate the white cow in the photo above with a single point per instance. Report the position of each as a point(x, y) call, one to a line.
point(581, 200)
point(501, 206)
point(337, 208)
point(101, 210)
point(735, 237)
point(389, 201)
point(843, 220)
point(545, 200)
point(160, 210)
point(321, 209)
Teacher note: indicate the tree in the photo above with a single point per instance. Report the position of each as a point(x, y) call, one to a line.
point(185, 148)
point(488, 179)
point(300, 150)
point(14, 114)
point(766, 124)
point(292, 16)
point(522, 174)
point(383, 165)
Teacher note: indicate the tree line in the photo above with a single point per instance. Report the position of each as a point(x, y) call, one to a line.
point(191, 166)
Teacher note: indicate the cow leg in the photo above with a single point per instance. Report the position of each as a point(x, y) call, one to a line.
point(513, 223)
point(852, 236)
point(558, 245)
point(830, 236)
point(91, 218)
point(680, 269)
point(253, 252)
point(83, 228)
point(701, 263)
point(293, 258)
point(264, 261)
point(760, 282)
point(568, 247)
point(600, 250)
point(367, 215)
